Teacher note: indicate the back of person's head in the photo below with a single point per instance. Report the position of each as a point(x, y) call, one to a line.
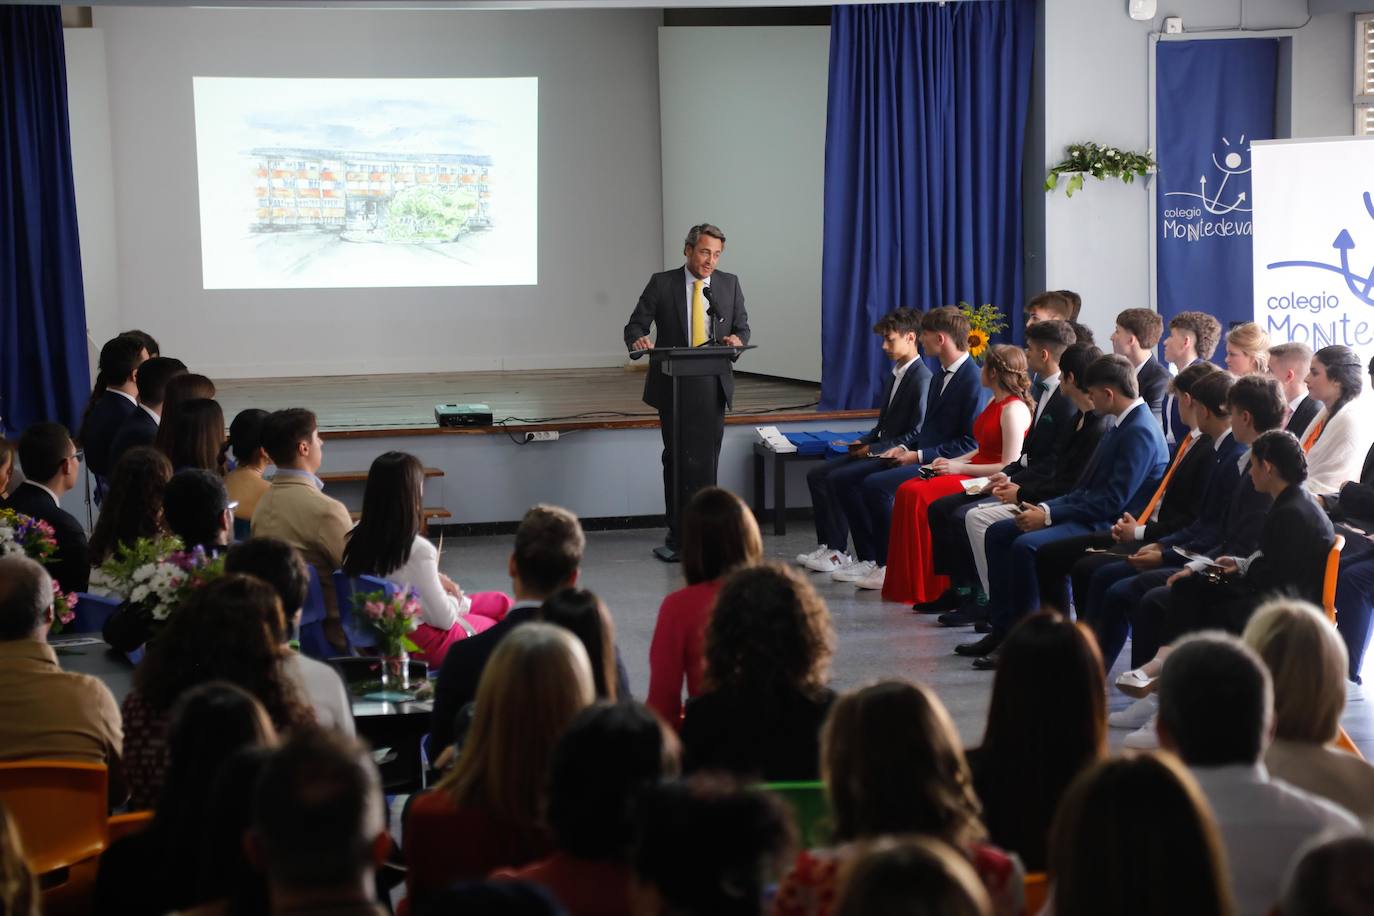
point(194, 437)
point(912, 876)
point(1212, 392)
point(502, 897)
point(949, 321)
point(1084, 333)
point(1251, 340)
point(533, 685)
point(1294, 355)
point(609, 755)
point(770, 631)
point(1054, 335)
point(548, 549)
point(1115, 372)
point(284, 430)
point(1283, 452)
point(1075, 302)
point(1005, 366)
point(1335, 878)
point(1189, 376)
point(1135, 835)
point(1052, 301)
point(719, 534)
point(392, 516)
point(1215, 701)
point(43, 449)
point(19, 894)
point(1261, 397)
point(1307, 662)
point(1206, 331)
point(194, 503)
point(25, 597)
point(318, 818)
point(183, 387)
point(133, 504)
point(1343, 368)
point(149, 342)
point(275, 562)
point(153, 376)
point(245, 435)
point(892, 763)
point(1076, 360)
point(899, 321)
point(225, 872)
point(120, 358)
point(704, 847)
point(586, 616)
point(1145, 324)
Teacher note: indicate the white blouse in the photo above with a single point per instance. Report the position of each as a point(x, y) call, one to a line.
point(421, 573)
point(1338, 454)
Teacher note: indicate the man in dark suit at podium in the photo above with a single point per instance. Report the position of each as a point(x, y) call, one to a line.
point(690, 306)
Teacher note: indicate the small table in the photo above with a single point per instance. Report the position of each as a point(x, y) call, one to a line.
point(780, 462)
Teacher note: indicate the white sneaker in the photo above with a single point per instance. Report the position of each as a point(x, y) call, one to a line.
point(859, 569)
point(873, 580)
point(1135, 716)
point(830, 561)
point(1354, 692)
point(1145, 738)
point(804, 558)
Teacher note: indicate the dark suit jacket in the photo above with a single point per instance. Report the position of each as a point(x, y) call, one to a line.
point(1125, 470)
point(1354, 504)
point(70, 564)
point(906, 410)
point(947, 430)
point(774, 739)
point(1073, 459)
point(1187, 489)
point(1302, 416)
point(1207, 527)
point(1046, 440)
point(1296, 538)
point(138, 429)
point(1154, 379)
point(663, 304)
point(98, 432)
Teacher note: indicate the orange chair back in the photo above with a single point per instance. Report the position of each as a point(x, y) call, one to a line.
point(1333, 569)
point(60, 808)
point(122, 825)
point(1344, 743)
point(1037, 889)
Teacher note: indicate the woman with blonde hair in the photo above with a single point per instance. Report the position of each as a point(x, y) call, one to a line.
point(485, 814)
point(1307, 660)
point(1247, 349)
point(892, 764)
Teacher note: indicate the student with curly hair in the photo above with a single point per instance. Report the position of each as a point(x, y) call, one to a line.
point(133, 505)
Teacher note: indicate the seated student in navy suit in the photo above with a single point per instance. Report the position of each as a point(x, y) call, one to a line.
point(901, 407)
point(1124, 471)
point(113, 399)
point(1135, 337)
point(1289, 364)
point(140, 427)
point(52, 466)
point(953, 400)
point(1193, 338)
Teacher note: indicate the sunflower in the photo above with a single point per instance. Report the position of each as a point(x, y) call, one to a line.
point(977, 342)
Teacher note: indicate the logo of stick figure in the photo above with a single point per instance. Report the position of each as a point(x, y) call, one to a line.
point(1230, 167)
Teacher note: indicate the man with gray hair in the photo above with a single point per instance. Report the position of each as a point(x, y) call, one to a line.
point(1216, 711)
point(47, 713)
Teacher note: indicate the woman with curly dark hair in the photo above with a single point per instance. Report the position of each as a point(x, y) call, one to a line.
point(230, 630)
point(133, 504)
point(768, 649)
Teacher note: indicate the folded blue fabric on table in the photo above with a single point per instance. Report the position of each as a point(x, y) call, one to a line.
point(818, 443)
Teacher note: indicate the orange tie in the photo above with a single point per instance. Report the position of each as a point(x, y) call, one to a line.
point(1313, 436)
point(1164, 484)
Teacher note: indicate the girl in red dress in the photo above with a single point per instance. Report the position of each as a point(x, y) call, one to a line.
point(1000, 431)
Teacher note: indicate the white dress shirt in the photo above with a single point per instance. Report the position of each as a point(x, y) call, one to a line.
point(898, 373)
point(950, 370)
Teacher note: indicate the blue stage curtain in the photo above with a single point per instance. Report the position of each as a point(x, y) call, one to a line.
point(923, 150)
point(43, 370)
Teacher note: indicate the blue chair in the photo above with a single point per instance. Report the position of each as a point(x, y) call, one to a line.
point(311, 636)
point(344, 588)
point(91, 612)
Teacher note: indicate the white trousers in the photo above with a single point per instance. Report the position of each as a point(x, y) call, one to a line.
point(977, 522)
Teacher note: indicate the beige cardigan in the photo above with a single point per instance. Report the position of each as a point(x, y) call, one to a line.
point(295, 511)
point(1336, 775)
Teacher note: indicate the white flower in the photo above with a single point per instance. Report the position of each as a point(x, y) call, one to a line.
point(139, 593)
point(145, 572)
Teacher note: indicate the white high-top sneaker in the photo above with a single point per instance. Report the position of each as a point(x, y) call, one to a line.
point(855, 571)
point(874, 580)
point(804, 558)
point(830, 561)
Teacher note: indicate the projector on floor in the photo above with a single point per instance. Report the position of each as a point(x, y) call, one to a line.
point(462, 414)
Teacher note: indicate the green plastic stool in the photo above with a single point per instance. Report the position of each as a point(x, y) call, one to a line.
point(809, 807)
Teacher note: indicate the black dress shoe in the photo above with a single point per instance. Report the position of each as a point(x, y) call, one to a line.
point(980, 648)
point(960, 618)
point(667, 554)
point(948, 601)
point(982, 625)
point(986, 662)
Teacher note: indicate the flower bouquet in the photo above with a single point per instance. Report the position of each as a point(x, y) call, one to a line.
point(156, 575)
point(392, 619)
point(1101, 162)
point(35, 539)
point(983, 321)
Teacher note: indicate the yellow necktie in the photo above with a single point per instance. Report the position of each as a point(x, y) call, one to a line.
point(698, 314)
point(1164, 484)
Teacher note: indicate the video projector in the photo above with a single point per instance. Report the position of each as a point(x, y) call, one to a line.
point(462, 415)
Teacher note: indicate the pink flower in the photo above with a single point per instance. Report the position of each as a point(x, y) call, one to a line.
point(373, 609)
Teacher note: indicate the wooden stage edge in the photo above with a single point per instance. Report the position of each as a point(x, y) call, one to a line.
point(561, 400)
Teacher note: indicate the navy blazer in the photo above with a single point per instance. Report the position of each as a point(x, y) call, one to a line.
point(138, 429)
point(70, 564)
point(98, 431)
point(1302, 416)
point(1206, 529)
point(1153, 379)
point(947, 430)
point(900, 414)
point(1046, 440)
point(1073, 459)
point(1185, 494)
point(1127, 467)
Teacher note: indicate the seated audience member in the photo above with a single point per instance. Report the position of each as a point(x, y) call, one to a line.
point(197, 510)
point(768, 649)
point(608, 756)
point(140, 427)
point(280, 565)
point(952, 402)
point(1335, 878)
point(227, 879)
point(891, 764)
point(1000, 434)
point(180, 389)
point(133, 504)
point(1216, 712)
point(586, 616)
point(149, 342)
point(1135, 337)
point(1051, 305)
point(319, 826)
point(1075, 304)
point(1192, 339)
point(901, 408)
point(245, 482)
point(156, 870)
point(1339, 437)
point(547, 554)
point(1134, 835)
point(1247, 349)
point(387, 542)
point(486, 812)
point(1306, 660)
point(19, 894)
point(52, 467)
point(225, 632)
point(719, 535)
point(193, 437)
point(45, 712)
point(1047, 723)
point(706, 848)
point(295, 510)
point(7, 450)
point(912, 876)
point(1290, 364)
point(113, 399)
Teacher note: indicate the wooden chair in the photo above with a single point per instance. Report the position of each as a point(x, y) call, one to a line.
point(1036, 890)
point(60, 809)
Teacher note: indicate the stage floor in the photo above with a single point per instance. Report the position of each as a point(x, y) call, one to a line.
point(561, 399)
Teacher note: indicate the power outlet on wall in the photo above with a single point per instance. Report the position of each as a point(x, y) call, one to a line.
point(546, 435)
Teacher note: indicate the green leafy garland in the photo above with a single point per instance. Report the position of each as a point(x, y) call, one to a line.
point(1101, 162)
